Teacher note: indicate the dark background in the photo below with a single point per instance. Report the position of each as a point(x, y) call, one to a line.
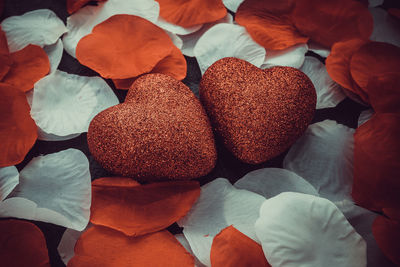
point(347, 113)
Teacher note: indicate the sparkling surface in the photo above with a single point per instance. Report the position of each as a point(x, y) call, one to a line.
point(258, 113)
point(160, 131)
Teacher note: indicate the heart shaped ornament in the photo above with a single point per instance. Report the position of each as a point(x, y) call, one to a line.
point(160, 132)
point(257, 113)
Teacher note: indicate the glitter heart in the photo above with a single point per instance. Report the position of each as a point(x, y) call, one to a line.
point(160, 132)
point(258, 113)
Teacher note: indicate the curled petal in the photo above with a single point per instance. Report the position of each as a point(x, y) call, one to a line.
point(387, 235)
point(116, 58)
point(18, 131)
point(54, 52)
point(9, 179)
point(176, 29)
point(386, 28)
point(67, 243)
point(232, 5)
point(182, 239)
point(338, 65)
point(147, 208)
point(365, 116)
point(289, 57)
point(188, 13)
point(232, 248)
point(75, 5)
point(190, 40)
point(269, 23)
point(321, 230)
point(22, 244)
point(324, 157)
point(376, 165)
point(270, 182)
point(101, 246)
point(53, 188)
point(30, 64)
point(227, 40)
point(39, 27)
point(361, 219)
point(219, 205)
point(374, 58)
point(173, 65)
point(345, 19)
point(82, 22)
point(318, 49)
point(329, 93)
point(64, 104)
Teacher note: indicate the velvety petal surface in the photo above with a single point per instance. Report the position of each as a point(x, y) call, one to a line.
point(146, 208)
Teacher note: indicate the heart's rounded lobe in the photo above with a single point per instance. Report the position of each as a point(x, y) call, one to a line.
point(258, 113)
point(160, 132)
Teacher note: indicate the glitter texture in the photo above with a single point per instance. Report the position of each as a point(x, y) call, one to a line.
point(258, 113)
point(160, 132)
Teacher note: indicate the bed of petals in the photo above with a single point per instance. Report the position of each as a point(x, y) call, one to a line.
point(332, 199)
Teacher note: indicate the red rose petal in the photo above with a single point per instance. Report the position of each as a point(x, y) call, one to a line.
point(18, 131)
point(102, 246)
point(376, 183)
point(232, 248)
point(75, 5)
point(22, 244)
point(338, 65)
point(124, 46)
point(146, 208)
point(395, 12)
point(187, 13)
point(5, 57)
point(384, 92)
point(173, 65)
point(374, 58)
point(387, 235)
point(330, 21)
point(269, 23)
point(30, 64)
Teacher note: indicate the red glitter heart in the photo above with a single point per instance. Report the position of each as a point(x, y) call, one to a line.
point(160, 132)
point(258, 113)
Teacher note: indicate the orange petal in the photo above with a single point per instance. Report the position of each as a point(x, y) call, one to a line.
point(5, 57)
point(147, 208)
point(384, 92)
point(18, 131)
point(187, 13)
point(124, 84)
point(376, 183)
point(124, 46)
point(232, 248)
point(173, 65)
point(395, 12)
point(102, 246)
point(330, 21)
point(75, 5)
point(22, 244)
point(387, 235)
point(30, 64)
point(338, 65)
point(374, 58)
point(269, 23)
